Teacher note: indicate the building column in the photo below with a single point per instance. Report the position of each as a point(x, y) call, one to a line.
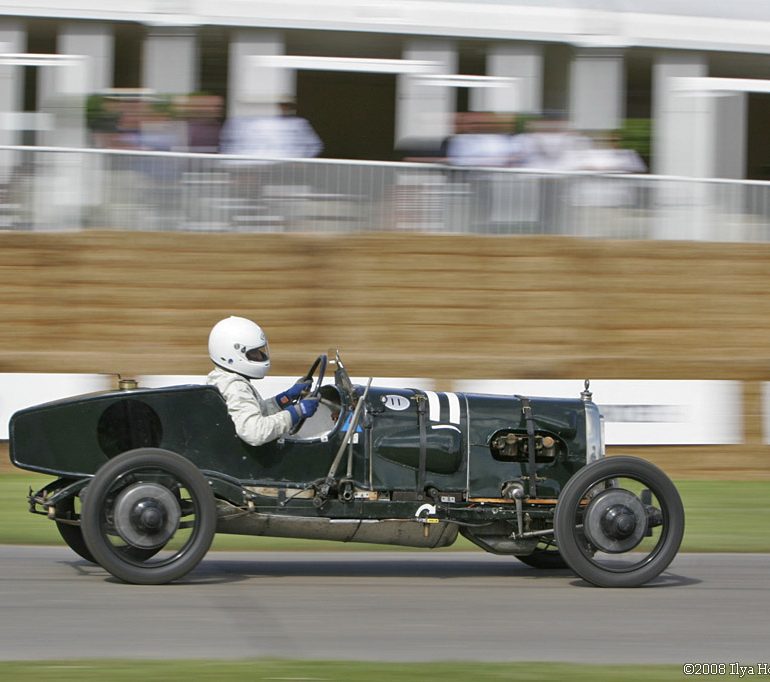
point(423, 111)
point(597, 89)
point(525, 95)
point(731, 112)
point(170, 60)
point(255, 89)
point(698, 132)
point(683, 121)
point(683, 144)
point(13, 38)
point(97, 43)
point(63, 88)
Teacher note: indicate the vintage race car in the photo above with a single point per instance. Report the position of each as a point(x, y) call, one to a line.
point(147, 476)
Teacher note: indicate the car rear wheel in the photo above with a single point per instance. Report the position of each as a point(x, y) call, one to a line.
point(148, 516)
point(619, 522)
point(71, 533)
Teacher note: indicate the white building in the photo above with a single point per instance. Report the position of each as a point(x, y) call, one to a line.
point(373, 76)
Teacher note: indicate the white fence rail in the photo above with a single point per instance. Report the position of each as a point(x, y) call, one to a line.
point(58, 188)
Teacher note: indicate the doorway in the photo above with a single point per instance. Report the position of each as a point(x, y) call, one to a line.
point(353, 113)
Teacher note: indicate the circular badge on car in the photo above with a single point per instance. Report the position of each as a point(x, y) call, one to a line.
point(396, 402)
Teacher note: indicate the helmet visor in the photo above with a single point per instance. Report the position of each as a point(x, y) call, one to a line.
point(261, 354)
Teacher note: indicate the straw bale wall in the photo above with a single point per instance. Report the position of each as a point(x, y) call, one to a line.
point(400, 305)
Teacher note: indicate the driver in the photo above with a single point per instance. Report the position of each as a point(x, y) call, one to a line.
point(238, 347)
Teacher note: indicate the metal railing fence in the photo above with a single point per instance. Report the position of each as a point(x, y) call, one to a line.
point(53, 188)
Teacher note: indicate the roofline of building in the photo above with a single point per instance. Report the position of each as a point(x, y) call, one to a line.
point(581, 27)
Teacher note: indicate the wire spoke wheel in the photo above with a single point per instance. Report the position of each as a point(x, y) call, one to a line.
point(148, 516)
point(619, 522)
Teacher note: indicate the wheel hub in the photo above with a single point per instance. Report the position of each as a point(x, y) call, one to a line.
point(147, 515)
point(615, 521)
point(618, 522)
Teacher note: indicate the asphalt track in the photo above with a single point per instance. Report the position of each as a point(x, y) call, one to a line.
point(383, 606)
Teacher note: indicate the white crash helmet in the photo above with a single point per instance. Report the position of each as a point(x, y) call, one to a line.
point(240, 345)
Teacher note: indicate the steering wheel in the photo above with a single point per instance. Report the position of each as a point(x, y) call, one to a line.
point(320, 366)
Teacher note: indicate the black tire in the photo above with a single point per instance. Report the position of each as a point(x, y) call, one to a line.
point(72, 534)
point(577, 550)
point(161, 477)
point(547, 559)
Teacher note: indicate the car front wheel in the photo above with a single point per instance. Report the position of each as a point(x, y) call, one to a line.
point(619, 522)
point(148, 516)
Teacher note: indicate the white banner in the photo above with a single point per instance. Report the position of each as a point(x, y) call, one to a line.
point(645, 412)
point(637, 412)
point(18, 391)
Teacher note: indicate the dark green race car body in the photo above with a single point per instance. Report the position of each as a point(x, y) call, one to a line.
point(384, 465)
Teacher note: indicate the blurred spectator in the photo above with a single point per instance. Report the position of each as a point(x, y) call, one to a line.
point(480, 139)
point(606, 156)
point(202, 117)
point(129, 120)
point(548, 145)
point(286, 136)
point(157, 131)
point(265, 189)
point(134, 119)
point(103, 118)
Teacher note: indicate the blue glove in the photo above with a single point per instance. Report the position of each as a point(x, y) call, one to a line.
point(302, 410)
point(291, 394)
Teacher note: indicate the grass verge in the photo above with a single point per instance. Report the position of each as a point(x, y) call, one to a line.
point(267, 669)
point(722, 516)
